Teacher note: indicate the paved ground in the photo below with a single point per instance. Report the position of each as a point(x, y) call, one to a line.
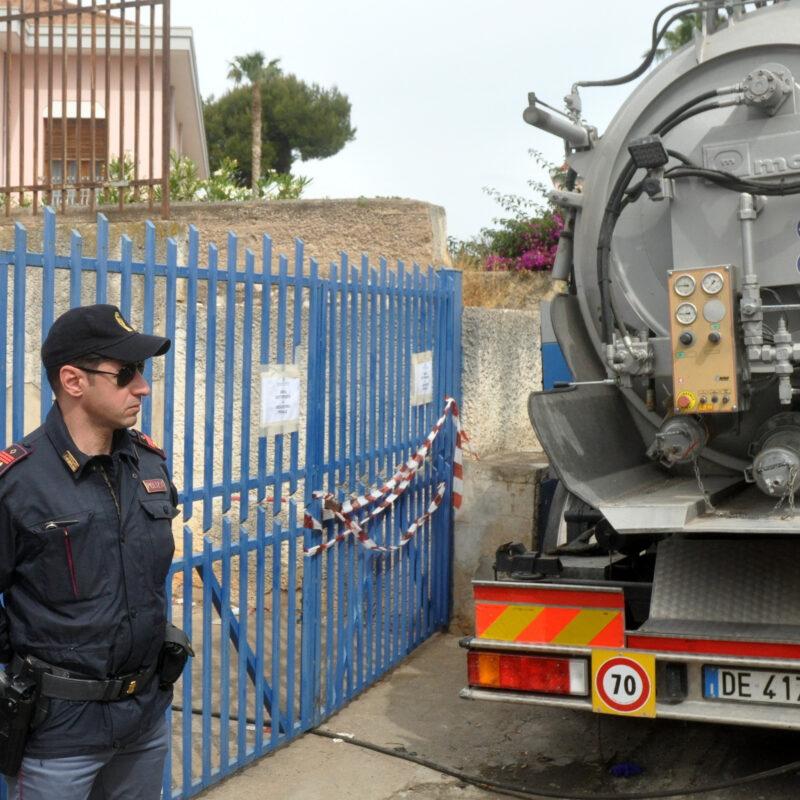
point(416, 709)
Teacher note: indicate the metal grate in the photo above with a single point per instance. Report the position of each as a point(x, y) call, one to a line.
point(70, 74)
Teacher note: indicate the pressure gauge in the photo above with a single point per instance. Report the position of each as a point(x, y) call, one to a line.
point(684, 285)
point(686, 313)
point(712, 283)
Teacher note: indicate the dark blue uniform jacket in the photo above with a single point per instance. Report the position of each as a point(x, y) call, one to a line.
point(85, 547)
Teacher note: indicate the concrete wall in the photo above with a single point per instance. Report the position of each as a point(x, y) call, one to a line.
point(501, 367)
point(409, 230)
point(501, 495)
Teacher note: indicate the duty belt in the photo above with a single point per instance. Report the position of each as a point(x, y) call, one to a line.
point(63, 684)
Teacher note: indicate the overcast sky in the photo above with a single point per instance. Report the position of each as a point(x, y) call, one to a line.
point(437, 87)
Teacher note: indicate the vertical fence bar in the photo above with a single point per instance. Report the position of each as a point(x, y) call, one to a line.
point(343, 639)
point(261, 577)
point(207, 662)
point(36, 114)
point(48, 297)
point(122, 171)
point(64, 95)
point(126, 270)
point(151, 111)
point(166, 108)
point(291, 619)
point(137, 45)
point(189, 374)
point(211, 359)
point(21, 97)
point(171, 296)
point(75, 268)
point(93, 112)
point(297, 335)
point(242, 648)
point(311, 669)
point(227, 402)
point(333, 298)
point(7, 116)
point(78, 99)
point(264, 350)
point(247, 384)
point(400, 437)
point(275, 666)
point(148, 322)
point(415, 599)
point(224, 649)
point(107, 98)
point(101, 287)
point(280, 358)
point(18, 371)
point(187, 715)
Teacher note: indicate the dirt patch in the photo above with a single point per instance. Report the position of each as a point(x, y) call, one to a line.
point(515, 290)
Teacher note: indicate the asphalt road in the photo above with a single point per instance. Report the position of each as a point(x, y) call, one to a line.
point(416, 710)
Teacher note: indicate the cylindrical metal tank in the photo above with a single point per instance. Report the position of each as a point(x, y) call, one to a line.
point(685, 281)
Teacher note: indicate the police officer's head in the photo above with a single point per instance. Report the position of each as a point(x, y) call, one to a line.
point(87, 336)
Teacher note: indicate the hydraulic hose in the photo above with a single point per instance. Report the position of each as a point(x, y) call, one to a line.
point(609, 317)
point(657, 36)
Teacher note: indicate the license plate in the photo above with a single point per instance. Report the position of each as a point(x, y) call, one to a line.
point(751, 685)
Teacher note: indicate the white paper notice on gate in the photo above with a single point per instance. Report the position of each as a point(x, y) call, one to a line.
point(280, 399)
point(422, 378)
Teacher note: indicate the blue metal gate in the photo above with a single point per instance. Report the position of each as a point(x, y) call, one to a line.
point(283, 638)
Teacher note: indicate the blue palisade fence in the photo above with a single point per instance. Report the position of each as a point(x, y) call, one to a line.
point(283, 639)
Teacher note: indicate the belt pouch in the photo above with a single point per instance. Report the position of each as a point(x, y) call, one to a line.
point(175, 652)
point(17, 706)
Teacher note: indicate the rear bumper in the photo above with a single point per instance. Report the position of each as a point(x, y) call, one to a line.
point(693, 706)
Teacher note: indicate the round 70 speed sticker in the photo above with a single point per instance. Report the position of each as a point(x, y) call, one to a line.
point(623, 683)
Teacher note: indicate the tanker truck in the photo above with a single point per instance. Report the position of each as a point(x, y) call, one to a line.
point(666, 582)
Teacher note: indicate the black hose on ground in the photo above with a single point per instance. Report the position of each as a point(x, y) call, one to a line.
point(514, 790)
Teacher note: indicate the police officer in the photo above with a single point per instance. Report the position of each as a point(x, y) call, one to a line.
point(86, 505)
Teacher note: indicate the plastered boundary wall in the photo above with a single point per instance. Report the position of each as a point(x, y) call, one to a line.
point(501, 348)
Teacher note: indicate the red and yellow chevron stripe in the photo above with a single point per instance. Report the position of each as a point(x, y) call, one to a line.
point(550, 616)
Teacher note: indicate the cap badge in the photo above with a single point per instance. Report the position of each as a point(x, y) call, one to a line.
point(155, 485)
point(121, 322)
point(71, 461)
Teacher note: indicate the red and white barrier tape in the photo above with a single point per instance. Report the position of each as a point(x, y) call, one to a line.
point(387, 494)
point(354, 529)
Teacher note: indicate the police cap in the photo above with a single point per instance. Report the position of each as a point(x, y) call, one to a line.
point(98, 329)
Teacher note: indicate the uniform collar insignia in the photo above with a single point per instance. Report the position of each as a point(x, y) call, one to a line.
point(71, 461)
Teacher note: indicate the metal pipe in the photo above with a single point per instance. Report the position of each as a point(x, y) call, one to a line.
point(747, 214)
point(573, 134)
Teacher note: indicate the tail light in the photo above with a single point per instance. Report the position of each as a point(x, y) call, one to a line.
point(528, 673)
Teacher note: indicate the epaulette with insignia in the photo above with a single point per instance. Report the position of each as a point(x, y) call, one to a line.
point(145, 441)
point(12, 455)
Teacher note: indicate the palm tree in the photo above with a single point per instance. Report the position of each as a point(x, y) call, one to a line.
point(251, 67)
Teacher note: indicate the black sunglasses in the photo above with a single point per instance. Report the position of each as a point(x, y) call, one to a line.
point(124, 376)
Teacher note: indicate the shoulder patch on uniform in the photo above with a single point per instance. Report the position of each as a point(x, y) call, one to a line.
point(145, 441)
point(12, 455)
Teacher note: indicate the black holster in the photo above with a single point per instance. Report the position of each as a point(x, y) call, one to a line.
point(19, 696)
point(175, 652)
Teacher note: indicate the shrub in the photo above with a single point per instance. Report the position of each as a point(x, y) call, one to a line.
point(526, 238)
point(528, 244)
